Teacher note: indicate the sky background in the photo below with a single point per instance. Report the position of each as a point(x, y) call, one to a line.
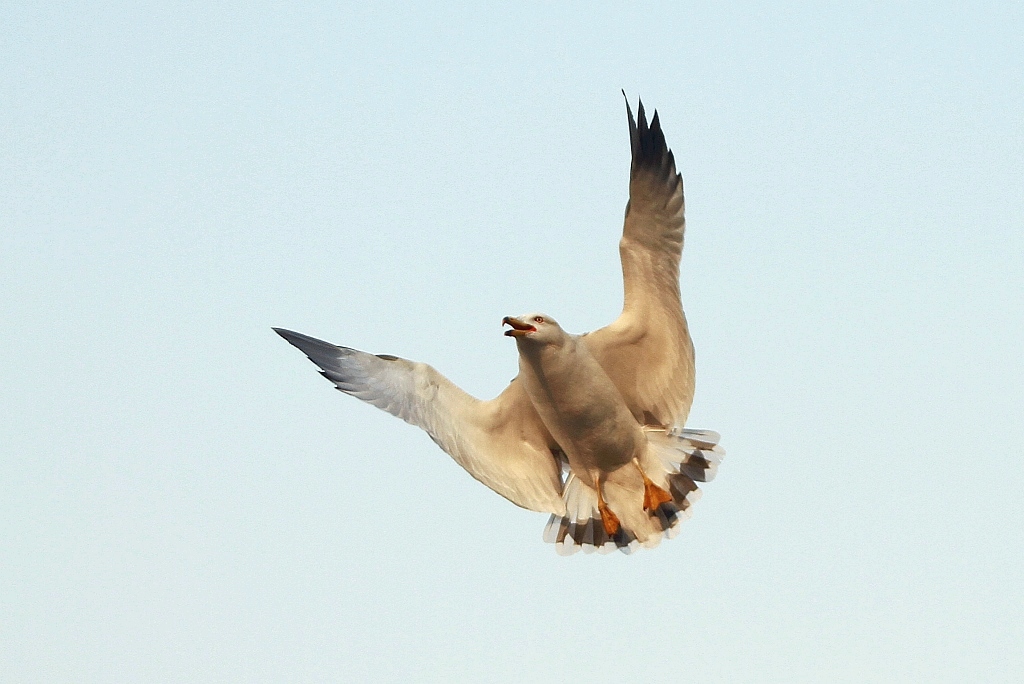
point(183, 499)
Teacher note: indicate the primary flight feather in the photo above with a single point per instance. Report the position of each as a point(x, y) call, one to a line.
point(592, 429)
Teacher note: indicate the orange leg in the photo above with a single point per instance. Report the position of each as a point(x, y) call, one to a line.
point(654, 495)
point(608, 519)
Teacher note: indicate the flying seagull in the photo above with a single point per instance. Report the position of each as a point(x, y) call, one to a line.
point(591, 430)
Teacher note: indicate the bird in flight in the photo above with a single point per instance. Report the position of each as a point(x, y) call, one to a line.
point(592, 429)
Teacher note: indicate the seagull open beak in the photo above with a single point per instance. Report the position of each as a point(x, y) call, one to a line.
point(518, 327)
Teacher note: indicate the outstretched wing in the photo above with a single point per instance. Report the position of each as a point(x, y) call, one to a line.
point(501, 442)
point(647, 351)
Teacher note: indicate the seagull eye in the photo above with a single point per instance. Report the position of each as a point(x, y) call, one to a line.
point(538, 319)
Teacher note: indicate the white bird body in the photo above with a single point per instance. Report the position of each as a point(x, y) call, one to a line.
point(578, 403)
point(561, 437)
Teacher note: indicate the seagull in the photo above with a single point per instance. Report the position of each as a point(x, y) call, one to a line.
point(591, 430)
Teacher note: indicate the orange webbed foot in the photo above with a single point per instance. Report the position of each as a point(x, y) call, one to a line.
point(608, 519)
point(654, 496)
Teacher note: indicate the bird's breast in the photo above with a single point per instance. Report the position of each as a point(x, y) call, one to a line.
point(581, 408)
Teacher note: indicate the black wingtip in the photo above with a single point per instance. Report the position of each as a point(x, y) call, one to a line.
point(288, 334)
point(634, 137)
point(315, 349)
point(647, 141)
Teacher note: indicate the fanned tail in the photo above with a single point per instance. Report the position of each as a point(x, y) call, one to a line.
point(676, 460)
point(688, 457)
point(581, 529)
point(694, 453)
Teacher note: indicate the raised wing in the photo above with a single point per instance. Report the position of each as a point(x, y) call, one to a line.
point(502, 442)
point(647, 351)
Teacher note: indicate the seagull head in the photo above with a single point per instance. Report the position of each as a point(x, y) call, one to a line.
point(534, 327)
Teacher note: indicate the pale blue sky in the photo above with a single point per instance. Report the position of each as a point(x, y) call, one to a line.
point(185, 500)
